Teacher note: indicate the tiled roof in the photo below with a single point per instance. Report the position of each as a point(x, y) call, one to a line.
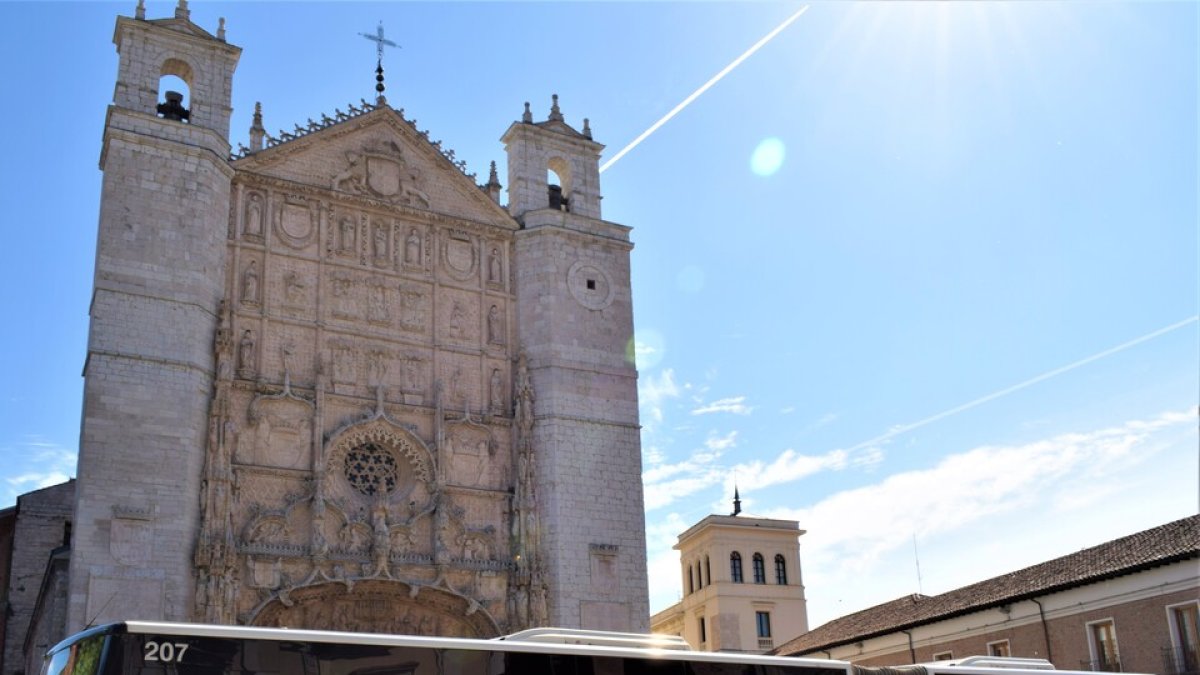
point(1173, 542)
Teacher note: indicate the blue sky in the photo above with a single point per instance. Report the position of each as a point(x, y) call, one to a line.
point(873, 263)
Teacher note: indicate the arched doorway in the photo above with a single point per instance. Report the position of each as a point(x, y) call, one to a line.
point(378, 606)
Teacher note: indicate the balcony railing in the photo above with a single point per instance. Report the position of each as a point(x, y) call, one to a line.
point(1101, 665)
point(1180, 661)
point(766, 643)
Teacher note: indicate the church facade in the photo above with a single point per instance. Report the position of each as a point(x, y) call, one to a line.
point(333, 383)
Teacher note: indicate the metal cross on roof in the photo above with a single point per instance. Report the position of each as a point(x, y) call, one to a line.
point(379, 41)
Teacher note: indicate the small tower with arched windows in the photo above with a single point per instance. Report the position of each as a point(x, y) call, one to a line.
point(575, 325)
point(160, 273)
point(741, 582)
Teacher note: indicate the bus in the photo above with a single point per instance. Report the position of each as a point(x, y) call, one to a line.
point(156, 648)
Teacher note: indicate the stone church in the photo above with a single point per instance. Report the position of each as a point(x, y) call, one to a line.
point(333, 382)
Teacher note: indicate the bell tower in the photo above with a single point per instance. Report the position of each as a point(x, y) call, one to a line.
point(160, 268)
point(576, 329)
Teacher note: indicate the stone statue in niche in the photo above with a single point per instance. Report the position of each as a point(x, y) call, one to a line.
point(380, 243)
point(496, 389)
point(381, 538)
point(412, 248)
point(457, 317)
point(494, 327)
point(346, 234)
point(494, 270)
point(250, 283)
point(254, 216)
point(247, 361)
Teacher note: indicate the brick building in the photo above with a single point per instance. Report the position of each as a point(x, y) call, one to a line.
point(1126, 605)
point(332, 381)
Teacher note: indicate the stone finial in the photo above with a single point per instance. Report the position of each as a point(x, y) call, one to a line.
point(182, 11)
point(256, 129)
point(555, 114)
point(527, 117)
point(587, 129)
point(493, 185)
point(140, 12)
point(221, 29)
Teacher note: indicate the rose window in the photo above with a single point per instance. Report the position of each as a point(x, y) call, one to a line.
point(371, 469)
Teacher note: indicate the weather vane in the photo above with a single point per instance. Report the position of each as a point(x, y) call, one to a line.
point(380, 43)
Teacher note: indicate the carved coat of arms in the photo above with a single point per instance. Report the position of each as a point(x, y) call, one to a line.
point(380, 170)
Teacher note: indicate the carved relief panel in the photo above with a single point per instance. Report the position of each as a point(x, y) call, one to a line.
point(458, 320)
point(281, 429)
point(296, 221)
point(293, 288)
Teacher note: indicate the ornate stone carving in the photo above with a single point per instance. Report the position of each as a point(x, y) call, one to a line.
point(496, 392)
point(295, 290)
point(282, 426)
point(414, 247)
point(250, 283)
point(381, 243)
point(296, 221)
point(495, 326)
point(380, 170)
point(252, 227)
point(247, 356)
point(460, 254)
point(456, 328)
point(495, 267)
point(413, 310)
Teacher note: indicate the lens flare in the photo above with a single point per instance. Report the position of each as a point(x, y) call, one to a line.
point(767, 157)
point(646, 349)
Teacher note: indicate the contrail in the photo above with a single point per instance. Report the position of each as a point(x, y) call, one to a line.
point(905, 428)
point(705, 87)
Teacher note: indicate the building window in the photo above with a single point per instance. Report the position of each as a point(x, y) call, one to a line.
point(943, 656)
point(699, 576)
point(1184, 623)
point(691, 581)
point(762, 620)
point(707, 571)
point(762, 624)
point(999, 648)
point(760, 569)
point(703, 631)
point(1102, 642)
point(735, 567)
point(780, 570)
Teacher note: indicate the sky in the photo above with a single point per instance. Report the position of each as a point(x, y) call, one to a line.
point(921, 276)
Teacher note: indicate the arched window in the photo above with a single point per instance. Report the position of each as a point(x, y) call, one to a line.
point(699, 576)
point(558, 183)
point(735, 567)
point(760, 569)
point(691, 581)
point(707, 571)
point(780, 570)
point(174, 87)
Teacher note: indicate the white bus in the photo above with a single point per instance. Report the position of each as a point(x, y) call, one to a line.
point(150, 648)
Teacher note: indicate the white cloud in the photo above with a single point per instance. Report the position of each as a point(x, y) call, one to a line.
point(734, 404)
point(35, 464)
point(788, 466)
point(654, 392)
point(719, 443)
